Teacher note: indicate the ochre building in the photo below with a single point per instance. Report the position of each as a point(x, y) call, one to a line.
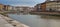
point(1, 7)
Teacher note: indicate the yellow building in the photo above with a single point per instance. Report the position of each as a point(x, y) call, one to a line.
point(53, 6)
point(1, 7)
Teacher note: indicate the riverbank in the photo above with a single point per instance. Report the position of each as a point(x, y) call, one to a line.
point(7, 12)
point(14, 23)
point(46, 13)
point(4, 23)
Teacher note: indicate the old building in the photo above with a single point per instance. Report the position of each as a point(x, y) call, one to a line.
point(24, 8)
point(7, 7)
point(43, 7)
point(1, 7)
point(37, 7)
point(40, 7)
point(18, 8)
point(53, 6)
point(14, 8)
point(31, 9)
point(50, 6)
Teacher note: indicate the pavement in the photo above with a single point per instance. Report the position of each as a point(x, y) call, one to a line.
point(4, 23)
point(8, 22)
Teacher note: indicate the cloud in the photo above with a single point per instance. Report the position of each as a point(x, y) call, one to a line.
point(21, 2)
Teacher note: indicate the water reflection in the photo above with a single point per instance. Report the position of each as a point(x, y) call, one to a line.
point(37, 20)
point(50, 17)
point(53, 21)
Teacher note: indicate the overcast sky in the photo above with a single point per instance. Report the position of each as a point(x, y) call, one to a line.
point(21, 2)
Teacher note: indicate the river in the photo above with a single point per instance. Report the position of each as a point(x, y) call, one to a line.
point(37, 20)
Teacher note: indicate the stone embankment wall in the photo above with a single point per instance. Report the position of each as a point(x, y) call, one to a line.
point(14, 22)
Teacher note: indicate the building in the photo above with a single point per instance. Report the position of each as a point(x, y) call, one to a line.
point(43, 7)
point(18, 8)
point(37, 7)
point(53, 6)
point(24, 8)
point(14, 8)
point(1, 7)
point(31, 9)
point(7, 7)
point(40, 7)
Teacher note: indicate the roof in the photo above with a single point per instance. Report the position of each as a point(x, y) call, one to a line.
point(49, 2)
point(52, 1)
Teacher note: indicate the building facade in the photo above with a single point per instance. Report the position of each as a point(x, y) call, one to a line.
point(40, 7)
point(7, 7)
point(43, 7)
point(37, 7)
point(24, 8)
point(53, 6)
point(1, 7)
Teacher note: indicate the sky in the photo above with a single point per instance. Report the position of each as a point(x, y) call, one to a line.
point(21, 2)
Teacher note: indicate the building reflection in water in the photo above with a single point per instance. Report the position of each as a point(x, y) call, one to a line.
point(52, 21)
point(50, 17)
point(37, 20)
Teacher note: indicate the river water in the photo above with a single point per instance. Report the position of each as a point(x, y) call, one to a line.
point(37, 20)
